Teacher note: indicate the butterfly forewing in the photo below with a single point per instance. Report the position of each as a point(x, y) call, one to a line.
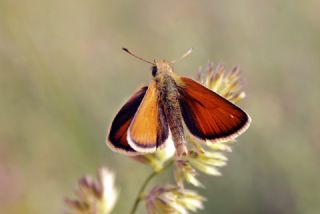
point(117, 138)
point(209, 116)
point(149, 128)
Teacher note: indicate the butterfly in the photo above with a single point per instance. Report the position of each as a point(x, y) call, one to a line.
point(169, 107)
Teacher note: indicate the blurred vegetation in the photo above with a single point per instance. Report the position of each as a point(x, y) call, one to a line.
point(63, 77)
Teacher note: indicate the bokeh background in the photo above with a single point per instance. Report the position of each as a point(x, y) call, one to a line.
point(63, 77)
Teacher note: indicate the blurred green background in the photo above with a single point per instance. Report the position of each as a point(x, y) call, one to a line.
point(63, 77)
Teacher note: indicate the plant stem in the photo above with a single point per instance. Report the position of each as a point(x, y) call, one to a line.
point(144, 185)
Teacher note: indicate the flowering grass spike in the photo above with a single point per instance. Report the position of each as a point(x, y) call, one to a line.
point(95, 195)
point(98, 196)
point(173, 200)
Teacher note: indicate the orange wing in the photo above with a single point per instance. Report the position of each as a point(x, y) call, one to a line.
point(209, 116)
point(149, 128)
point(117, 138)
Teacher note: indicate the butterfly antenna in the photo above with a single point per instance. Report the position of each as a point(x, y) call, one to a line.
point(132, 54)
point(183, 56)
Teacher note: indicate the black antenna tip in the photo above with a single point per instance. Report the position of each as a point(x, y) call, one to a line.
point(125, 49)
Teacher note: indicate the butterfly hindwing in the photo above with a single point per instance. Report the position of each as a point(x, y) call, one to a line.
point(209, 116)
point(117, 138)
point(149, 128)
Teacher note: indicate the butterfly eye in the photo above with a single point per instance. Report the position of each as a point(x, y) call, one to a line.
point(154, 70)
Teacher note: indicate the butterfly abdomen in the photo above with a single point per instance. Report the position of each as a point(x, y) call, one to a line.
point(169, 101)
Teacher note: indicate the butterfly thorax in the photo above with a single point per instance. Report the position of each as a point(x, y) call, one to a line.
point(169, 102)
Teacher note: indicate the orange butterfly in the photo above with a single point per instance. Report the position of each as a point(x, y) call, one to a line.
point(162, 110)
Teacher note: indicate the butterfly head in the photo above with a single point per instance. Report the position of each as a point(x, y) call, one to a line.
point(161, 66)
